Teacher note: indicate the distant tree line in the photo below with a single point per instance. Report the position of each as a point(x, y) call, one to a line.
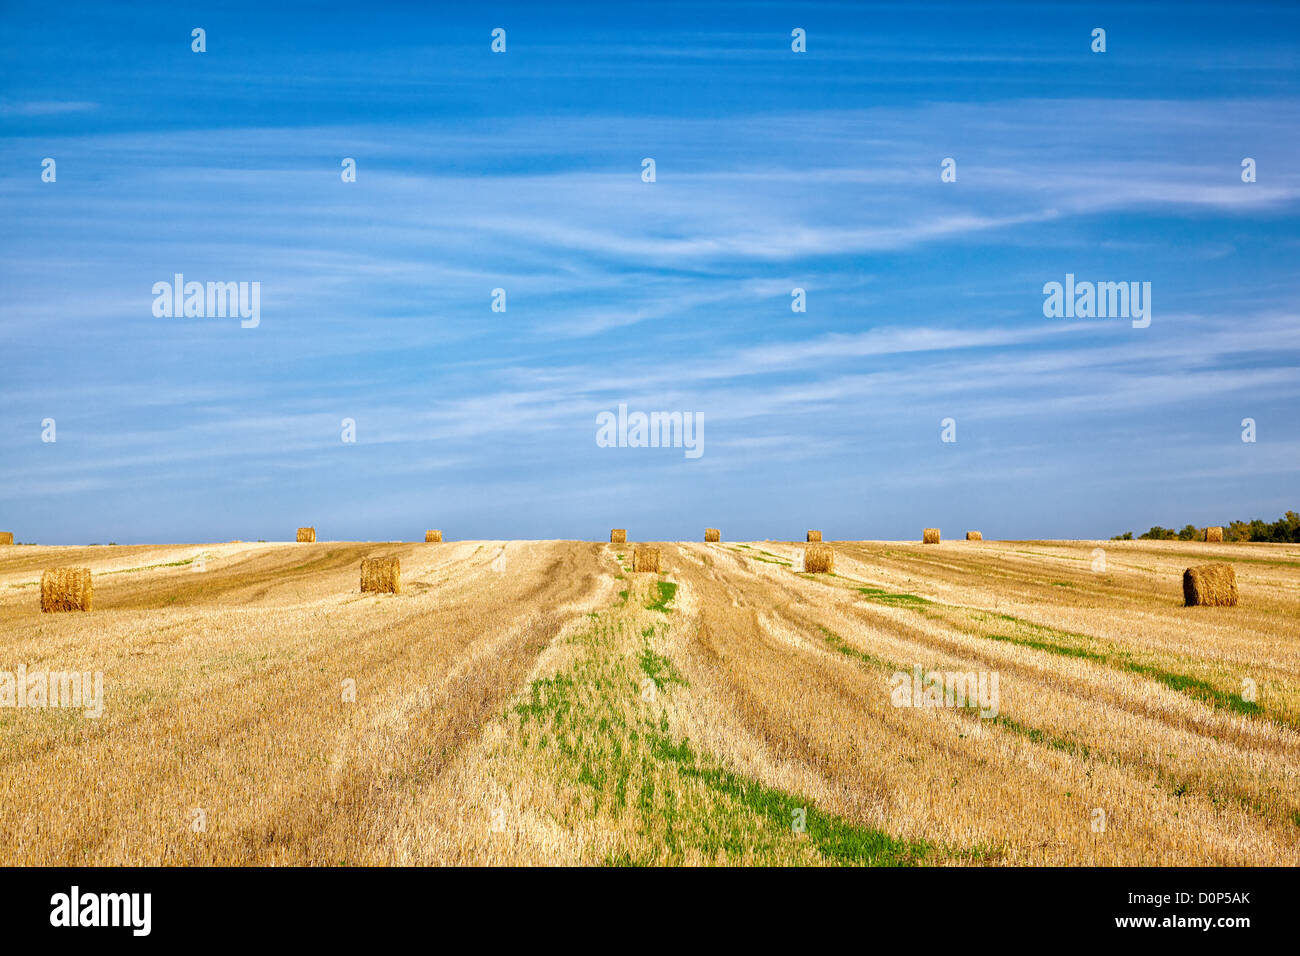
point(1285, 530)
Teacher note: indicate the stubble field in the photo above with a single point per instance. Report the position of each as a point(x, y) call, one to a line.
point(537, 702)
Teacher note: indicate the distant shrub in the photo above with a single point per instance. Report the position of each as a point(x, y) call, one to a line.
point(1236, 531)
point(1285, 530)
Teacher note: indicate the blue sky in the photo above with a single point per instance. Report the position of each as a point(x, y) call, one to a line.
point(522, 171)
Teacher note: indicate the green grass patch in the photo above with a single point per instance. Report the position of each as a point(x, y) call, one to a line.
point(1268, 562)
point(893, 599)
point(1193, 687)
point(1040, 736)
point(594, 727)
point(667, 591)
point(767, 557)
point(836, 839)
point(150, 567)
point(848, 650)
point(659, 669)
point(549, 695)
point(1050, 647)
point(1032, 733)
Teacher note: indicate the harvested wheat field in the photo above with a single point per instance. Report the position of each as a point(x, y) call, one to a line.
point(381, 575)
point(556, 708)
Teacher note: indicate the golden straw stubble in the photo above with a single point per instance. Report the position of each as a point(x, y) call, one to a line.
point(712, 534)
point(645, 558)
point(432, 537)
point(66, 589)
point(618, 536)
point(381, 575)
point(1210, 585)
point(818, 559)
point(307, 535)
point(930, 536)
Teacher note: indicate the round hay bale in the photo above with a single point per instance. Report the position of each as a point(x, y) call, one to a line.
point(930, 536)
point(818, 559)
point(307, 535)
point(618, 536)
point(432, 537)
point(381, 575)
point(712, 534)
point(1214, 534)
point(974, 536)
point(646, 558)
point(814, 536)
point(6, 537)
point(1210, 585)
point(66, 589)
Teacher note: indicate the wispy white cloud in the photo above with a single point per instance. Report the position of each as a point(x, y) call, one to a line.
point(925, 296)
point(45, 107)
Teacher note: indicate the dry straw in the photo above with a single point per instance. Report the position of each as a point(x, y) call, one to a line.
point(819, 559)
point(66, 589)
point(645, 558)
point(6, 537)
point(974, 536)
point(383, 575)
point(931, 536)
point(307, 535)
point(712, 534)
point(814, 536)
point(1210, 585)
point(432, 537)
point(1214, 534)
point(618, 536)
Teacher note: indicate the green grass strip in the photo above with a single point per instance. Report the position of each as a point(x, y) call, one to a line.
point(894, 599)
point(1193, 687)
point(667, 591)
point(836, 839)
